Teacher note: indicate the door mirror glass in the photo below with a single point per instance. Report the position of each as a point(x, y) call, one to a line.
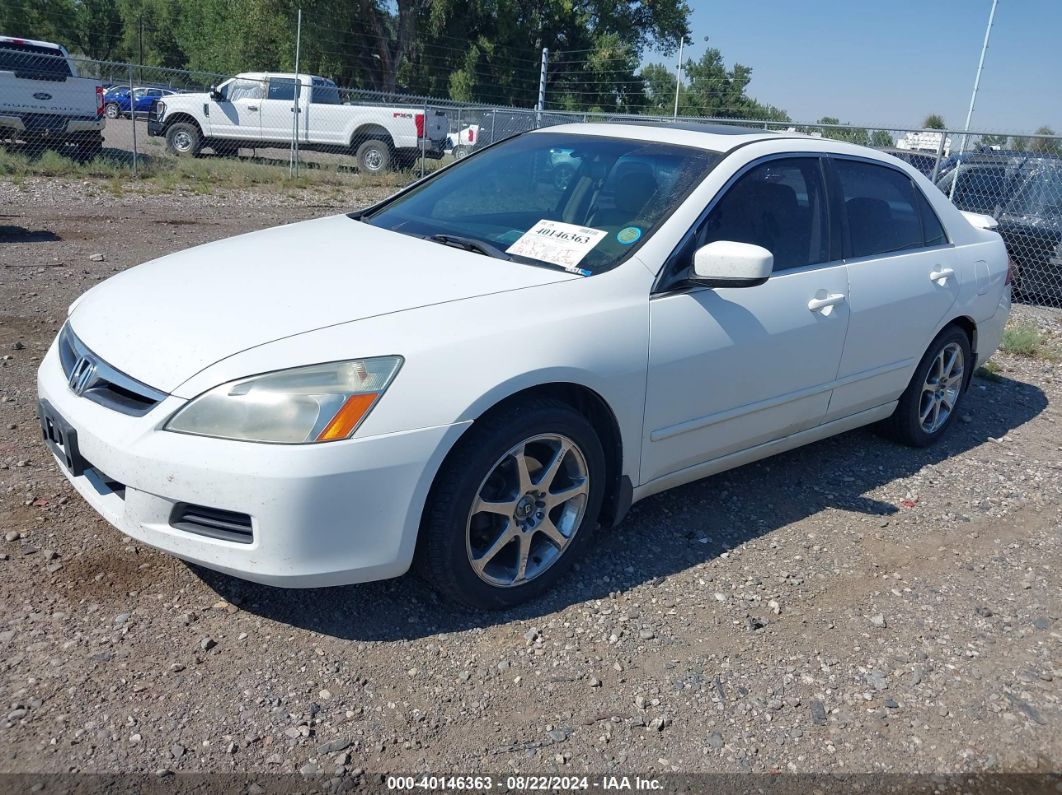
point(726, 263)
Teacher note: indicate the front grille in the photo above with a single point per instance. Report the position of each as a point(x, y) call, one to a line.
point(212, 522)
point(91, 377)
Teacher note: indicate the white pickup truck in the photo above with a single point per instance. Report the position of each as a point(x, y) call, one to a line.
point(43, 101)
point(254, 110)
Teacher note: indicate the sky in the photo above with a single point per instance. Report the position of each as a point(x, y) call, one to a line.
point(892, 62)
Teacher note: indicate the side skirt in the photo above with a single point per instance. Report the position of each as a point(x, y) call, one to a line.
point(742, 457)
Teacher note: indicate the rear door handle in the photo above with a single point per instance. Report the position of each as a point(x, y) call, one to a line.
point(941, 276)
point(252, 107)
point(821, 304)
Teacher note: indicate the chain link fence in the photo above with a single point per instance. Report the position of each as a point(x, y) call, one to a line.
point(144, 118)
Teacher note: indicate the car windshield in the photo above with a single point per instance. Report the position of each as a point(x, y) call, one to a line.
point(1040, 196)
point(595, 198)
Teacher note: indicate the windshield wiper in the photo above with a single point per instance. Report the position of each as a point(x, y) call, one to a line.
point(470, 244)
point(479, 247)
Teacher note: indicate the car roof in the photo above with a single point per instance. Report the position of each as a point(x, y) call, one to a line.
point(32, 42)
point(713, 136)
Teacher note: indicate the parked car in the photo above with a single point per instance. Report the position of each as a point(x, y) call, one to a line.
point(43, 101)
point(254, 109)
point(1023, 191)
point(463, 142)
point(139, 101)
point(473, 374)
point(923, 161)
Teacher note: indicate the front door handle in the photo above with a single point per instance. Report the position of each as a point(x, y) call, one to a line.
point(252, 107)
point(941, 276)
point(823, 304)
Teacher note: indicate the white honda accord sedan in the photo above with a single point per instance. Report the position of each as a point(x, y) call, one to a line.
point(474, 374)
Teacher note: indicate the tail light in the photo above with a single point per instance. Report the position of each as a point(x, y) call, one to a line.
point(99, 102)
point(471, 135)
point(1011, 267)
point(419, 118)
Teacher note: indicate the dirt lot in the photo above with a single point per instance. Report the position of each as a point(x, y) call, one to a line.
point(851, 606)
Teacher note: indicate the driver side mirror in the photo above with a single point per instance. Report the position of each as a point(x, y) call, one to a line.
point(215, 94)
point(726, 263)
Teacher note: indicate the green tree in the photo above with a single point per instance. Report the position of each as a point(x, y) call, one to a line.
point(839, 132)
point(934, 121)
point(1050, 146)
point(659, 87)
point(882, 139)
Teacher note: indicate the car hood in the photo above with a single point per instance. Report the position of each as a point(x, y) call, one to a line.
point(165, 320)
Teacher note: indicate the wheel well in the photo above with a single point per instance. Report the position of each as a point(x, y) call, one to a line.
point(182, 117)
point(967, 325)
point(592, 406)
point(970, 329)
point(368, 132)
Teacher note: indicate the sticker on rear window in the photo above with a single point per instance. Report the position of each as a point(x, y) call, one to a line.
point(559, 243)
point(629, 235)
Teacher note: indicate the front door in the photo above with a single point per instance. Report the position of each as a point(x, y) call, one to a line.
point(731, 368)
point(238, 114)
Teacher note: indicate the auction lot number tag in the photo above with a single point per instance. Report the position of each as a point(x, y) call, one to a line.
point(557, 242)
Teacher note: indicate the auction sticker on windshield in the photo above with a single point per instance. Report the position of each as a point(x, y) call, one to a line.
point(557, 242)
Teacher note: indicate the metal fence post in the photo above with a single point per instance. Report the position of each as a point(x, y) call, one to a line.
point(940, 153)
point(541, 106)
point(424, 140)
point(293, 165)
point(132, 118)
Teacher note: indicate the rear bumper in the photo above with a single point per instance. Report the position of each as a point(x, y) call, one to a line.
point(45, 126)
point(990, 332)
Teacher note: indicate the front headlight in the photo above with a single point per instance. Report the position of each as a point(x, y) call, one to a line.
point(319, 403)
point(160, 110)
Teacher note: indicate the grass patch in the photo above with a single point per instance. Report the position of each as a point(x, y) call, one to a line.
point(989, 371)
point(1025, 339)
point(200, 175)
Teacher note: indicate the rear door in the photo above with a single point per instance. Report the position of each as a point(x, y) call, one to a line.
point(903, 278)
point(278, 109)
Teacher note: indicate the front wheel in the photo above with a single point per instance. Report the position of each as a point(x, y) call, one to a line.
point(514, 506)
point(183, 138)
point(929, 404)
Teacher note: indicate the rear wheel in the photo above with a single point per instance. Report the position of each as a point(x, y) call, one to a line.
point(461, 152)
point(374, 157)
point(111, 110)
point(929, 404)
point(514, 506)
point(183, 138)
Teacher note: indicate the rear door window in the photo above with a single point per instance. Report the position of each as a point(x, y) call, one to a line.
point(282, 88)
point(880, 208)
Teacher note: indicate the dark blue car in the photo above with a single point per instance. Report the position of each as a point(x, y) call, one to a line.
point(117, 101)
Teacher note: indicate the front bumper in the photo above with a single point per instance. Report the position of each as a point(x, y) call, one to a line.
point(155, 127)
point(325, 514)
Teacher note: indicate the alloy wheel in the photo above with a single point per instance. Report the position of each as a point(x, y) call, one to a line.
point(941, 389)
point(527, 510)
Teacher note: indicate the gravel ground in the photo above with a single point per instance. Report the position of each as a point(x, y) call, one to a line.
point(850, 606)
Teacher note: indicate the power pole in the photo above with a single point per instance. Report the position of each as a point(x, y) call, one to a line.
point(678, 75)
point(293, 165)
point(973, 99)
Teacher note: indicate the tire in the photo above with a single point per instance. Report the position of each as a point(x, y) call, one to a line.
point(111, 110)
point(461, 152)
point(484, 465)
point(184, 139)
point(374, 157)
point(926, 397)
